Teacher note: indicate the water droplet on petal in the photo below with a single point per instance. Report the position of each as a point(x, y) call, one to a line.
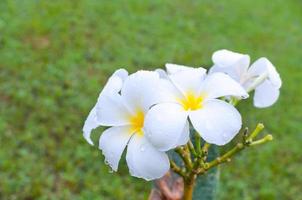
point(142, 148)
point(225, 136)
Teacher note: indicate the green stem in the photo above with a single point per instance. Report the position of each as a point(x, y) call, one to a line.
point(226, 156)
point(239, 147)
point(191, 147)
point(188, 189)
point(177, 169)
point(185, 156)
point(205, 149)
point(197, 144)
point(257, 130)
point(263, 140)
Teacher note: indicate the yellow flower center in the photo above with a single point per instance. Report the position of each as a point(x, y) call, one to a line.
point(137, 123)
point(191, 101)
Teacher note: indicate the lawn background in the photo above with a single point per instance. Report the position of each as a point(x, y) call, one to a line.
point(55, 57)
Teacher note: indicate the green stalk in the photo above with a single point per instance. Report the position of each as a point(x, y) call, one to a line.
point(197, 144)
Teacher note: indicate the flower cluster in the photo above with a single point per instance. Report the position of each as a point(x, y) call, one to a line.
point(150, 112)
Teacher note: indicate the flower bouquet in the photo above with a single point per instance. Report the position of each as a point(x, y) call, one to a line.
point(169, 120)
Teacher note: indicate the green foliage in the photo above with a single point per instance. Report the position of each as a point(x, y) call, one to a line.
point(55, 57)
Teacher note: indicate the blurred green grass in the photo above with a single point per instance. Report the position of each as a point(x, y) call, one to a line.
point(55, 56)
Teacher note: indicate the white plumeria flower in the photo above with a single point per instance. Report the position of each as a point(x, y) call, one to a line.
point(192, 94)
point(261, 76)
point(123, 105)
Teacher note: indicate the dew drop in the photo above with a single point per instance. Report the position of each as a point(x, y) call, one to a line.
point(225, 136)
point(142, 148)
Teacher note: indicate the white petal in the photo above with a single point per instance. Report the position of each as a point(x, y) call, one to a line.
point(188, 80)
point(216, 68)
point(168, 92)
point(225, 58)
point(217, 122)
point(113, 85)
point(113, 142)
point(90, 124)
point(115, 82)
point(162, 73)
point(231, 63)
point(185, 135)
point(111, 110)
point(265, 95)
point(164, 125)
point(258, 67)
point(231, 71)
point(218, 85)
point(140, 90)
point(144, 161)
point(174, 68)
point(263, 65)
point(274, 76)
